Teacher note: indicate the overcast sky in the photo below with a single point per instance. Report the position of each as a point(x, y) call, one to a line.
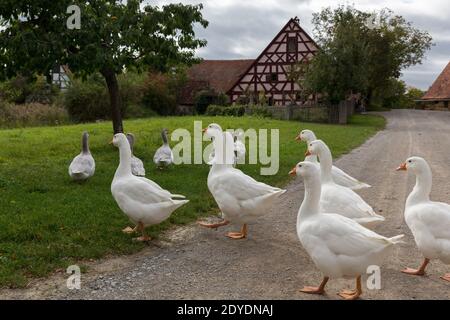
point(241, 29)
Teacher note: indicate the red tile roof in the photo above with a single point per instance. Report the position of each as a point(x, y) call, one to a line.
point(219, 75)
point(440, 90)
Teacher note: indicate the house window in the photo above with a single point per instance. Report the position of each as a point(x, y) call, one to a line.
point(272, 77)
point(292, 45)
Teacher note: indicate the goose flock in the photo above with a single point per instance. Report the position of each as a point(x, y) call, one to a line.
point(333, 222)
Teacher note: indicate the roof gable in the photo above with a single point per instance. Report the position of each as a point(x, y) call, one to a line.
point(440, 90)
point(219, 75)
point(291, 45)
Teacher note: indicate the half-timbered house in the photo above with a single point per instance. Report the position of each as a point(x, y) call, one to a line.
point(268, 76)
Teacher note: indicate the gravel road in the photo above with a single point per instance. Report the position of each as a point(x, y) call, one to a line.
point(195, 263)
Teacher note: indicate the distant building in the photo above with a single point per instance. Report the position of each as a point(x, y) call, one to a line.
point(60, 76)
point(265, 77)
point(439, 92)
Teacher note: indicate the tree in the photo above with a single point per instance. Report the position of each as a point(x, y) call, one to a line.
point(360, 52)
point(113, 36)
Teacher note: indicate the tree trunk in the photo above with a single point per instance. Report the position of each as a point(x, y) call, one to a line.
point(369, 98)
point(114, 97)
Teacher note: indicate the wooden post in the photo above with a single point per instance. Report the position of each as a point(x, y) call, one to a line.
point(289, 112)
point(343, 112)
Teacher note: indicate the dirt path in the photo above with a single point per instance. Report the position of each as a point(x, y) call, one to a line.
point(271, 264)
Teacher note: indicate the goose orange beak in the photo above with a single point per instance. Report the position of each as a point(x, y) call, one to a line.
point(402, 167)
point(293, 172)
point(111, 142)
point(298, 138)
point(204, 130)
point(307, 153)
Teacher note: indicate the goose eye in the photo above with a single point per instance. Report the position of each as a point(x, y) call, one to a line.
point(409, 161)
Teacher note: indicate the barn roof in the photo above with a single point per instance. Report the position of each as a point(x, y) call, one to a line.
point(219, 75)
point(440, 90)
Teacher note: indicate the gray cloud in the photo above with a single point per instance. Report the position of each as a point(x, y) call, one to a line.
point(242, 29)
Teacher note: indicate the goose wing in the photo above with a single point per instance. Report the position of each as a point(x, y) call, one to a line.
point(241, 186)
point(343, 236)
point(82, 163)
point(141, 191)
point(163, 154)
point(435, 216)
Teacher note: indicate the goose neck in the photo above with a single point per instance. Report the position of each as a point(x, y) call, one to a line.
point(422, 188)
point(310, 204)
point(85, 144)
point(124, 168)
point(326, 164)
point(164, 138)
point(223, 150)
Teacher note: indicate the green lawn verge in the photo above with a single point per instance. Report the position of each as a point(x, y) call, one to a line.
point(48, 222)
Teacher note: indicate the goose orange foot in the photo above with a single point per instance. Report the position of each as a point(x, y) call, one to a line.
point(142, 239)
point(349, 294)
point(418, 272)
point(414, 272)
point(316, 290)
point(213, 225)
point(352, 294)
point(238, 235)
point(446, 277)
point(129, 230)
point(312, 290)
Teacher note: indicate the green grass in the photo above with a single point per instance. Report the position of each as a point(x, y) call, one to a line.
point(49, 222)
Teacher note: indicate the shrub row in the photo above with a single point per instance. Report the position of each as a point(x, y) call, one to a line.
point(215, 110)
point(238, 111)
point(31, 114)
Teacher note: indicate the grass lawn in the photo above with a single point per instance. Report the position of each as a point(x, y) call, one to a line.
point(49, 222)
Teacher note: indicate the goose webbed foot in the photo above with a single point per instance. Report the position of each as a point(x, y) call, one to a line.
point(446, 277)
point(213, 225)
point(352, 294)
point(414, 272)
point(417, 272)
point(238, 235)
point(235, 235)
point(316, 290)
point(129, 230)
point(144, 238)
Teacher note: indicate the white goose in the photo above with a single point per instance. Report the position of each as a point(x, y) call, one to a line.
point(337, 198)
point(142, 200)
point(239, 146)
point(339, 247)
point(137, 166)
point(82, 166)
point(163, 156)
point(241, 198)
point(428, 220)
point(339, 176)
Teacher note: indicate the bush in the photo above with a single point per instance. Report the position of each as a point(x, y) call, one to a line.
point(24, 90)
point(259, 111)
point(238, 111)
point(158, 94)
point(235, 111)
point(131, 86)
point(31, 114)
point(87, 100)
point(205, 98)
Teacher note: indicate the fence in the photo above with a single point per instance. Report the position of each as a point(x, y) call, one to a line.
point(337, 114)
